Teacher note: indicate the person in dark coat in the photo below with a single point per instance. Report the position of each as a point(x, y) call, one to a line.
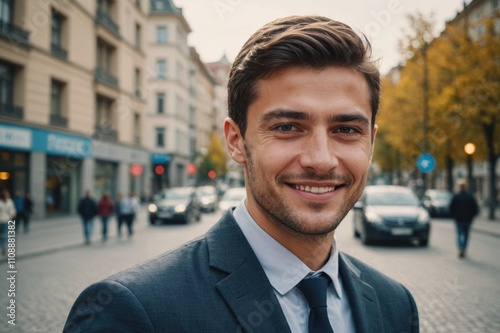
point(87, 208)
point(18, 200)
point(28, 210)
point(463, 209)
point(105, 208)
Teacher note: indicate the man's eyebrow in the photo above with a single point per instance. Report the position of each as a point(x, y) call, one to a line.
point(350, 117)
point(284, 113)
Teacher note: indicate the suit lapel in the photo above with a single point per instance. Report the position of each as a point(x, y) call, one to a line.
point(246, 288)
point(362, 297)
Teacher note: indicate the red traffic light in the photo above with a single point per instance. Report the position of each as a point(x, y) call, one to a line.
point(159, 170)
point(191, 168)
point(136, 169)
point(212, 174)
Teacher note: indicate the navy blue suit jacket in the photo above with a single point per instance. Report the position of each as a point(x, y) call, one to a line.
point(216, 284)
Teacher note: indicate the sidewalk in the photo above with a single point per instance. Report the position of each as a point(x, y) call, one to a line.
point(66, 232)
point(62, 233)
point(483, 225)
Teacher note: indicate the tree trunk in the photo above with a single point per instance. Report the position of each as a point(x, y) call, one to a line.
point(489, 131)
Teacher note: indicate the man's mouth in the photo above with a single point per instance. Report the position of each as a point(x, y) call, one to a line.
point(314, 189)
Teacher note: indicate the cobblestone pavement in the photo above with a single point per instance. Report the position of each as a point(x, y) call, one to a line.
point(453, 295)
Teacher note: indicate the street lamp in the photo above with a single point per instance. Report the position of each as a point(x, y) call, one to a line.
point(469, 149)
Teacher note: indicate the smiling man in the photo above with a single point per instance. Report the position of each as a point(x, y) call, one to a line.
point(303, 98)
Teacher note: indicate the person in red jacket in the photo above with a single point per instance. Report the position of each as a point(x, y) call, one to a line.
point(105, 210)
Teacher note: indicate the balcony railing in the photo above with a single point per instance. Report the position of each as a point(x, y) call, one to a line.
point(11, 110)
point(15, 34)
point(103, 76)
point(58, 51)
point(58, 120)
point(105, 19)
point(105, 133)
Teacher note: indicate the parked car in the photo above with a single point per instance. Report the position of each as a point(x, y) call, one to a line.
point(178, 204)
point(208, 198)
point(386, 212)
point(437, 202)
point(232, 197)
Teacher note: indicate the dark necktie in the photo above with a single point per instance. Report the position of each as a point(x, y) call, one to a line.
point(314, 290)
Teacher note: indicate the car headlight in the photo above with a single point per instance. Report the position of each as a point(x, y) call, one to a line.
point(180, 208)
point(152, 208)
point(373, 217)
point(423, 217)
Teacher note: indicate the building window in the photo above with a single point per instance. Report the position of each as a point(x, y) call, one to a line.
point(6, 84)
point(161, 35)
point(161, 69)
point(137, 82)
point(138, 3)
point(56, 97)
point(160, 103)
point(104, 112)
point(104, 120)
point(57, 116)
point(160, 137)
point(57, 43)
point(137, 128)
point(138, 36)
point(6, 10)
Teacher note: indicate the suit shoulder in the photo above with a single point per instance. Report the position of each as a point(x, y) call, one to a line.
point(374, 277)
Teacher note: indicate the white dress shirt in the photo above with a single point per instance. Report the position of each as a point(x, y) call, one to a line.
point(285, 270)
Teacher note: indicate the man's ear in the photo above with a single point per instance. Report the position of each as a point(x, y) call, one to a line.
point(234, 141)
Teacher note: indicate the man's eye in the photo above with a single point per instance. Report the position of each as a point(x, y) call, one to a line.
point(347, 130)
point(285, 128)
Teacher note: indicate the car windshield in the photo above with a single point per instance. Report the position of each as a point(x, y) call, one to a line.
point(175, 194)
point(391, 199)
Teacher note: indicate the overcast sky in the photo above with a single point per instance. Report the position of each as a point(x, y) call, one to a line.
point(223, 26)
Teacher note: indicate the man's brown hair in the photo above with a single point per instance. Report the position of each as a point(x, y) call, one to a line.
point(308, 41)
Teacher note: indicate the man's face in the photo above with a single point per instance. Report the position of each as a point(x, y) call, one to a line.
point(307, 148)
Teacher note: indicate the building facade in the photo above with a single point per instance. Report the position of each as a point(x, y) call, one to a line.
point(168, 122)
point(73, 102)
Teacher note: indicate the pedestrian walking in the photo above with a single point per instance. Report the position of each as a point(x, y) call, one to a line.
point(303, 95)
point(7, 214)
point(28, 210)
point(87, 208)
point(105, 210)
point(463, 208)
point(18, 200)
point(128, 210)
point(118, 212)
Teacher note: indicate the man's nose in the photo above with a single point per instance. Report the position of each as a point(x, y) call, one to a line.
point(318, 153)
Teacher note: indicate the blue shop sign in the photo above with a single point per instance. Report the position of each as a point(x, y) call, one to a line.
point(160, 158)
point(34, 139)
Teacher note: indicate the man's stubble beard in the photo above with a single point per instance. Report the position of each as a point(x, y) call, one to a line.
point(283, 216)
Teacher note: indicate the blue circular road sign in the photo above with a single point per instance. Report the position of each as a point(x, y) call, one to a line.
point(426, 163)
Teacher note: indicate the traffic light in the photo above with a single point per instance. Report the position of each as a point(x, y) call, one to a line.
point(212, 174)
point(159, 169)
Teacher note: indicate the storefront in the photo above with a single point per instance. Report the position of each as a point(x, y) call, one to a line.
point(47, 164)
point(105, 178)
point(14, 159)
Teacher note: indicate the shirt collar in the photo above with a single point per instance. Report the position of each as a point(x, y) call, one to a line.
point(283, 269)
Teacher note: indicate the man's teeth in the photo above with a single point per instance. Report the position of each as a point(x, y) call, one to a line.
point(314, 189)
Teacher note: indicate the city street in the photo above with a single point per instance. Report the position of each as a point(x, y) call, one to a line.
point(453, 295)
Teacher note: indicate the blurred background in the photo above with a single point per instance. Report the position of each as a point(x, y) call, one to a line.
point(129, 97)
